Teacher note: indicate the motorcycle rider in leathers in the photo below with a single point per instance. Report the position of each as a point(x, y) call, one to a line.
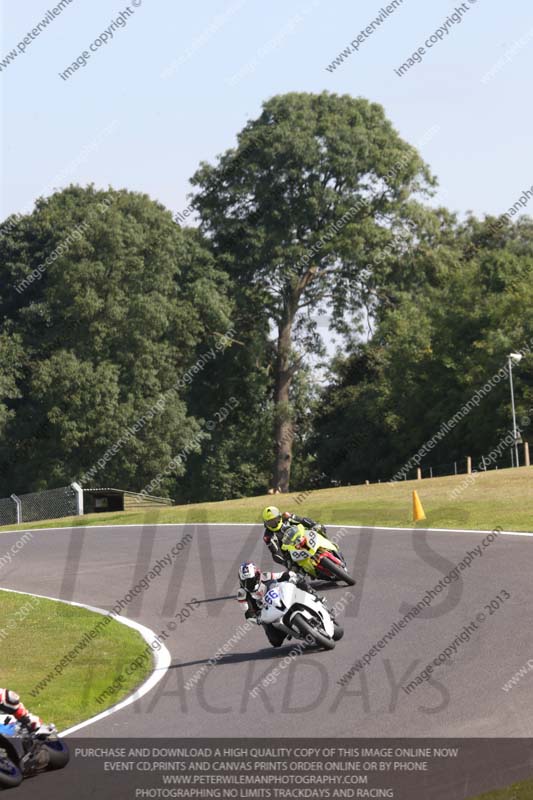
point(276, 524)
point(10, 704)
point(254, 585)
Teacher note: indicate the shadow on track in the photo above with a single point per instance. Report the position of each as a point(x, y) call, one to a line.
point(216, 599)
point(268, 654)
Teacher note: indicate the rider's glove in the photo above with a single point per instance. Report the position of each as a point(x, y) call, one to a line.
point(34, 722)
point(321, 529)
point(286, 515)
point(306, 586)
point(293, 578)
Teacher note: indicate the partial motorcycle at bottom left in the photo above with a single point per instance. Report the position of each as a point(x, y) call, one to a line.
point(25, 753)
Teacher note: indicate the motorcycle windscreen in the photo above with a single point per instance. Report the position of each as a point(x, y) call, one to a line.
point(291, 535)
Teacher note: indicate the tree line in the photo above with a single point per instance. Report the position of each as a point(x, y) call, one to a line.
point(321, 210)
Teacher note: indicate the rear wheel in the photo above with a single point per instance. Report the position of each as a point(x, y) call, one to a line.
point(338, 571)
point(308, 630)
point(10, 775)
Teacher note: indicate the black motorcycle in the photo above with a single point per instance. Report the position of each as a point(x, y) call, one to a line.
point(24, 753)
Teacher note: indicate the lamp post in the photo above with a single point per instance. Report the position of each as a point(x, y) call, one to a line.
point(516, 358)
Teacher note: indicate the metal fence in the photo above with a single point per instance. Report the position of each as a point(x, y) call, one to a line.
point(8, 511)
point(460, 467)
point(67, 501)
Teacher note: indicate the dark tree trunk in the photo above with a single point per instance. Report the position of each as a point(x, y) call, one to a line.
point(284, 425)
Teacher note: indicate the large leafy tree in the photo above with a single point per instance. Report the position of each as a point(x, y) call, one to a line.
point(233, 391)
point(11, 355)
point(433, 348)
point(108, 319)
point(317, 185)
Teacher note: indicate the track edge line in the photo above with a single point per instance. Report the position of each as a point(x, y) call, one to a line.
point(162, 658)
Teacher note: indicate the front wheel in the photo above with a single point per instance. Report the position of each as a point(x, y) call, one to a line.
point(338, 633)
point(10, 775)
point(58, 753)
point(338, 571)
point(307, 630)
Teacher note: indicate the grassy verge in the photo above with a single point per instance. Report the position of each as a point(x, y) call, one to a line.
point(36, 634)
point(500, 497)
point(518, 791)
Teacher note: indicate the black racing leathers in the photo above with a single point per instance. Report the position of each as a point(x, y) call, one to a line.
point(273, 539)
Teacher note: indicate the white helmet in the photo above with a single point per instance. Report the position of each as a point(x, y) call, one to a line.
point(249, 576)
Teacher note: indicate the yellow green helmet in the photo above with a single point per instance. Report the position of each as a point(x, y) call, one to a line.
point(272, 518)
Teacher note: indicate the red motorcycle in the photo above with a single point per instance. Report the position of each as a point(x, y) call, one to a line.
point(313, 553)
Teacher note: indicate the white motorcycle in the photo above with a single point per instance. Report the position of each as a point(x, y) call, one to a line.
point(299, 614)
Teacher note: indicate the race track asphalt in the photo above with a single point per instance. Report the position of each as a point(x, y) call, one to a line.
point(394, 569)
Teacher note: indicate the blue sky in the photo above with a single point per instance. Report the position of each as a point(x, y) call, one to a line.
point(177, 81)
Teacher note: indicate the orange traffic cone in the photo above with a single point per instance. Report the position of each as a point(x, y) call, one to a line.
point(418, 511)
